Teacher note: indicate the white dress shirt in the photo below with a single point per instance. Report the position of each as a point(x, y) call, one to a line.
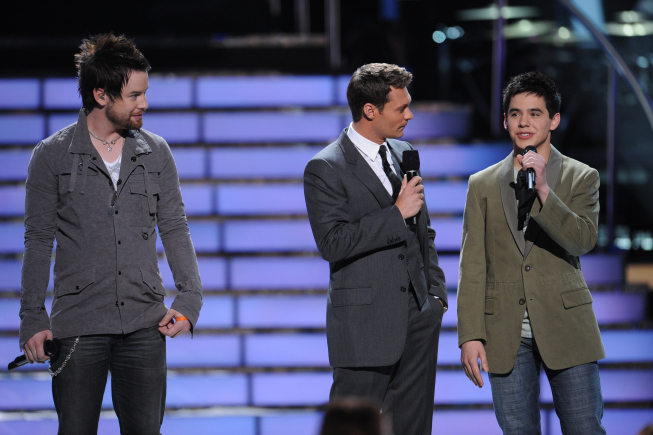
point(370, 152)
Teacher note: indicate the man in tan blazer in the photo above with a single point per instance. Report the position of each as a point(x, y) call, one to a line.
point(523, 303)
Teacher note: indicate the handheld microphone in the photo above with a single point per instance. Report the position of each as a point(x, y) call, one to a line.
point(51, 348)
point(410, 166)
point(530, 173)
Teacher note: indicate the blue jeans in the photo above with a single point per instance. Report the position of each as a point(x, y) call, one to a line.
point(137, 362)
point(576, 395)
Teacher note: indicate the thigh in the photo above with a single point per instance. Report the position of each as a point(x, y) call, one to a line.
point(362, 382)
point(516, 395)
point(577, 398)
point(411, 391)
point(138, 381)
point(78, 387)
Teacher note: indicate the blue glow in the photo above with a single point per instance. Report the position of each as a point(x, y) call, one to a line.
point(20, 93)
point(265, 91)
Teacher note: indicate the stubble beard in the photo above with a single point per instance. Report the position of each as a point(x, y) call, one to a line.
point(123, 121)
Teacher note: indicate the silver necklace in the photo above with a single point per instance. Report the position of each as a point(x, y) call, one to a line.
point(104, 142)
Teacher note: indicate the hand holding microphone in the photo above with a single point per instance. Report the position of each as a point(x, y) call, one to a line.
point(50, 347)
point(411, 197)
point(535, 166)
point(530, 172)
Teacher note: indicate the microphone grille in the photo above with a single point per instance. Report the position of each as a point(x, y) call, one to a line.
point(530, 148)
point(410, 161)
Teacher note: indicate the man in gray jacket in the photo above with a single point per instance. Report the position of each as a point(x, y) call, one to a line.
point(387, 293)
point(100, 187)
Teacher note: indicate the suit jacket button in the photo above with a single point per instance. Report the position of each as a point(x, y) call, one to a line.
point(522, 301)
point(527, 268)
point(133, 158)
point(401, 256)
point(403, 289)
point(145, 236)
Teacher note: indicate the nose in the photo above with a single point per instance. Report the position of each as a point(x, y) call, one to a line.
point(408, 115)
point(523, 121)
point(142, 104)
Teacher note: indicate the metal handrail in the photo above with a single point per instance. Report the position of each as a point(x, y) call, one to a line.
point(616, 60)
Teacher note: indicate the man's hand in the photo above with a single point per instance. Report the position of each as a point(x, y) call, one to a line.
point(411, 197)
point(538, 163)
point(470, 352)
point(170, 328)
point(34, 347)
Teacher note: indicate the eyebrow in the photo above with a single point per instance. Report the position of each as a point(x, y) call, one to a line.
point(534, 109)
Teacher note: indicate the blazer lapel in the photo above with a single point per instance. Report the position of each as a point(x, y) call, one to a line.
point(509, 202)
point(363, 172)
point(553, 170)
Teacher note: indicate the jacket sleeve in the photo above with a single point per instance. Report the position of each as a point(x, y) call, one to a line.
point(41, 197)
point(437, 284)
point(336, 236)
point(573, 226)
point(176, 240)
point(472, 274)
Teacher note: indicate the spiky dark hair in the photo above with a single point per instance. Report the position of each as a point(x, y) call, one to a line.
point(106, 61)
point(534, 83)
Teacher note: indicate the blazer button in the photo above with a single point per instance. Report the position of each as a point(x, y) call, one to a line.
point(133, 158)
point(401, 256)
point(403, 289)
point(522, 301)
point(527, 268)
point(145, 236)
point(119, 182)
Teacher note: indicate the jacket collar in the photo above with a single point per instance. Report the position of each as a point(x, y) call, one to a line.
point(553, 170)
point(362, 170)
point(508, 199)
point(135, 144)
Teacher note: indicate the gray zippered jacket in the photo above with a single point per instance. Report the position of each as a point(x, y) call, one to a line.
point(106, 273)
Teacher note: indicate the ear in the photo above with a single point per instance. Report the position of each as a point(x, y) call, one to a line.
point(370, 111)
point(100, 96)
point(555, 122)
point(505, 122)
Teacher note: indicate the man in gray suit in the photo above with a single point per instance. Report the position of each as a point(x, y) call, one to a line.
point(387, 293)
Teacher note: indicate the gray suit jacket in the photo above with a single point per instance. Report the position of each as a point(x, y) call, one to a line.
point(362, 235)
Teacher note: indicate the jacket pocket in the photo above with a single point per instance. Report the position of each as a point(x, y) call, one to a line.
point(573, 298)
point(144, 232)
point(153, 281)
point(490, 305)
point(76, 283)
point(351, 296)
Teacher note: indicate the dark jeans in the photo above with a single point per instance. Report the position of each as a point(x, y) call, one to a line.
point(405, 389)
point(576, 395)
point(137, 362)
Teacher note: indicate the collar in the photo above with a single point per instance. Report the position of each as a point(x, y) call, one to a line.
point(81, 142)
point(366, 146)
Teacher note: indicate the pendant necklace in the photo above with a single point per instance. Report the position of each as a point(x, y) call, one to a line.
point(104, 142)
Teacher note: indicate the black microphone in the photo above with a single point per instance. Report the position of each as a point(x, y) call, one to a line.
point(530, 173)
point(51, 348)
point(410, 166)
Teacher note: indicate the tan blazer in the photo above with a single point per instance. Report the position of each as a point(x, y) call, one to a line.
point(502, 272)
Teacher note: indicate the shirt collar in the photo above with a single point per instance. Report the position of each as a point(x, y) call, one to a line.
point(366, 146)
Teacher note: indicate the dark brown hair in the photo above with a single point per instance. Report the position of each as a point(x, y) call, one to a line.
point(371, 84)
point(106, 61)
point(354, 416)
point(534, 83)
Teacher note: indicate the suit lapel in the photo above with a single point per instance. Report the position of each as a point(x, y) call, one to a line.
point(553, 170)
point(509, 201)
point(361, 169)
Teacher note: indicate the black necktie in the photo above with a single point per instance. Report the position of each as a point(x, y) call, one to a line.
point(394, 180)
point(525, 199)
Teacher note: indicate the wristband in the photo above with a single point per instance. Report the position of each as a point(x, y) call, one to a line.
point(177, 319)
